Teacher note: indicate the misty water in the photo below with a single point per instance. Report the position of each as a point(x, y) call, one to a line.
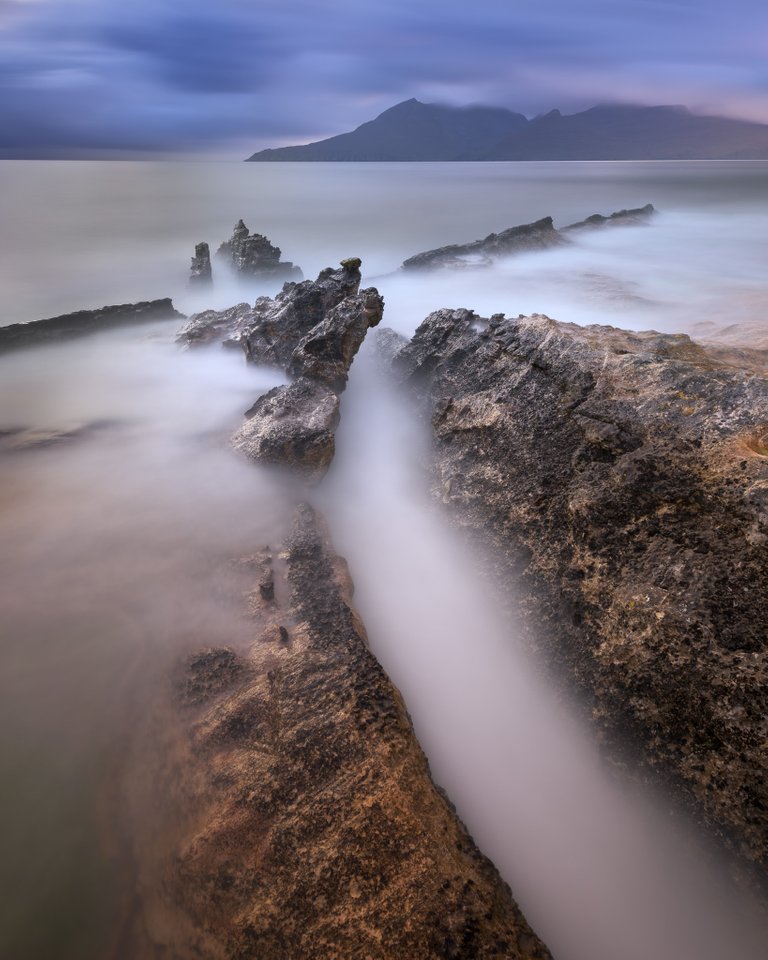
point(117, 549)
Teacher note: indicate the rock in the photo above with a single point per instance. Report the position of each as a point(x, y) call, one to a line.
point(540, 235)
point(326, 353)
point(388, 344)
point(83, 322)
point(23, 439)
point(306, 822)
point(626, 474)
point(200, 271)
point(215, 326)
point(252, 256)
point(622, 218)
point(294, 426)
point(270, 331)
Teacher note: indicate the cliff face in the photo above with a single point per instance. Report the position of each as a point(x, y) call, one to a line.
point(627, 475)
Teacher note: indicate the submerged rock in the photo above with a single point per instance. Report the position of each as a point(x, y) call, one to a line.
point(308, 822)
point(200, 271)
point(622, 218)
point(252, 256)
point(84, 322)
point(540, 235)
point(627, 475)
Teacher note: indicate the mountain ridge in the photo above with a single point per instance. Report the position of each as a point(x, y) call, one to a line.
point(415, 131)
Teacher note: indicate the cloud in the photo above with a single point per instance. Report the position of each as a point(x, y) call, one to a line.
point(98, 75)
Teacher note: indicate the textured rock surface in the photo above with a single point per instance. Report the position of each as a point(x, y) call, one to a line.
point(200, 272)
point(270, 330)
point(252, 256)
point(326, 353)
point(627, 475)
point(293, 425)
point(84, 322)
point(540, 235)
point(307, 824)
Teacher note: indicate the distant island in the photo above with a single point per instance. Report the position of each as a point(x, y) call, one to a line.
point(415, 131)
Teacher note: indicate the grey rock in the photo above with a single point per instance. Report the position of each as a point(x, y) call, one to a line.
point(326, 353)
point(294, 426)
point(252, 256)
point(621, 218)
point(84, 322)
point(200, 271)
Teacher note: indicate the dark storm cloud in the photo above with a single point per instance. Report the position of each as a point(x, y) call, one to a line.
point(100, 75)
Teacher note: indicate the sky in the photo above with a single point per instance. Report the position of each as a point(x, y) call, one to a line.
point(82, 78)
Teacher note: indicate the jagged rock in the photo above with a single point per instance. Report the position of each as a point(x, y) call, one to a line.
point(308, 825)
point(212, 326)
point(622, 218)
point(627, 474)
point(253, 256)
point(389, 343)
point(540, 235)
point(83, 322)
point(294, 426)
point(326, 353)
point(270, 331)
point(200, 271)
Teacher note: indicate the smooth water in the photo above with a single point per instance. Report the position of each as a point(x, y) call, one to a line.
point(116, 548)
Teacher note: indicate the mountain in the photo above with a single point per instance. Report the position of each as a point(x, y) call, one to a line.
point(419, 131)
point(634, 133)
point(413, 131)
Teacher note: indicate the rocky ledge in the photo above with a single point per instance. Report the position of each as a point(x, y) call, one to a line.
point(308, 823)
point(84, 322)
point(541, 235)
point(622, 479)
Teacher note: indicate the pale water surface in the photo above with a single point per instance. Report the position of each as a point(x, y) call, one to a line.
point(116, 549)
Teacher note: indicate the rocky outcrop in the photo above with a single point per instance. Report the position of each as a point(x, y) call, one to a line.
point(84, 322)
point(252, 256)
point(307, 823)
point(294, 425)
point(622, 479)
point(622, 218)
point(540, 235)
point(200, 271)
point(270, 330)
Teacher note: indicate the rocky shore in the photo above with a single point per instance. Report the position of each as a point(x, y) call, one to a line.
point(622, 480)
point(306, 822)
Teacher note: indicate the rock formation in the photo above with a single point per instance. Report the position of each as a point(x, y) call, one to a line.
point(270, 330)
point(252, 256)
point(200, 271)
point(622, 218)
point(295, 424)
point(308, 823)
point(83, 322)
point(540, 235)
point(622, 479)
point(305, 820)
